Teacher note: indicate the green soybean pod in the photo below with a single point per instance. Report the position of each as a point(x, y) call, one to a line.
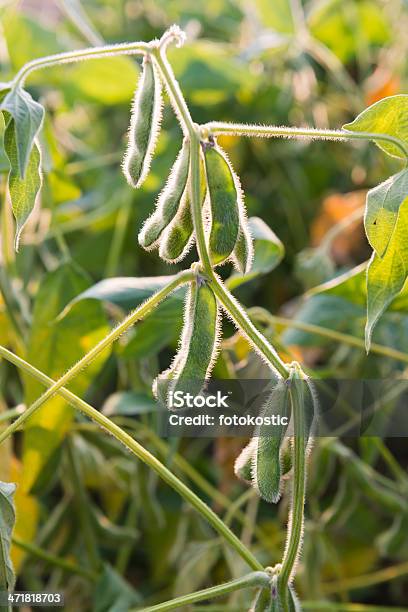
point(144, 124)
point(225, 197)
point(178, 238)
point(243, 253)
point(161, 384)
point(243, 463)
point(169, 200)
point(267, 469)
point(200, 338)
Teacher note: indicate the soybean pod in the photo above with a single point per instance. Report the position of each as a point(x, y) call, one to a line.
point(169, 200)
point(200, 339)
point(225, 197)
point(144, 124)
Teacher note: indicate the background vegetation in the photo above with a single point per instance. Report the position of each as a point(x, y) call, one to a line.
point(102, 518)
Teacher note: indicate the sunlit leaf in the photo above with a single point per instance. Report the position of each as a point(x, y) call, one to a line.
point(28, 117)
point(383, 204)
point(388, 116)
point(23, 191)
point(386, 276)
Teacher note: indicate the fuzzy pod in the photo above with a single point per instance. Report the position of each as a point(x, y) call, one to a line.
point(243, 253)
point(225, 202)
point(200, 339)
point(303, 392)
point(178, 238)
point(161, 384)
point(169, 200)
point(266, 463)
point(144, 124)
point(243, 463)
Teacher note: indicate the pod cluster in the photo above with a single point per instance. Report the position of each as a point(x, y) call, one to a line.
point(170, 228)
point(266, 459)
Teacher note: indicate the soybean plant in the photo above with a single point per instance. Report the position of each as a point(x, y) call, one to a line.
point(202, 204)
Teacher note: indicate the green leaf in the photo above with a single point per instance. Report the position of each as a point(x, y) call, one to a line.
point(386, 276)
point(128, 403)
point(388, 116)
point(54, 345)
point(28, 117)
point(268, 253)
point(23, 191)
point(7, 521)
point(383, 204)
point(279, 18)
point(112, 593)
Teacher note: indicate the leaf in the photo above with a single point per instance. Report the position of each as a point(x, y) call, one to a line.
point(27, 515)
point(388, 116)
point(268, 253)
point(28, 117)
point(386, 276)
point(383, 204)
point(280, 18)
point(195, 565)
point(128, 403)
point(55, 345)
point(112, 593)
point(7, 520)
point(23, 191)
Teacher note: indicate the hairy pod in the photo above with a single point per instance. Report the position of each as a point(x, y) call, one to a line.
point(243, 463)
point(144, 124)
point(225, 201)
point(169, 200)
point(179, 235)
point(266, 461)
point(200, 339)
point(243, 253)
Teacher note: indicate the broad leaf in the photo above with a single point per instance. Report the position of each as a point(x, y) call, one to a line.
point(386, 276)
point(7, 520)
point(28, 117)
point(268, 253)
point(383, 204)
point(55, 344)
point(128, 403)
point(159, 329)
point(113, 594)
point(389, 116)
point(23, 191)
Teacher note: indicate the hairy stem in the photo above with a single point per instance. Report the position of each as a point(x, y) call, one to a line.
point(218, 128)
point(296, 520)
point(141, 453)
point(239, 316)
point(135, 48)
point(136, 315)
point(250, 580)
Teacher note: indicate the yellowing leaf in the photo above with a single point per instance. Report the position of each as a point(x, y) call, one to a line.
point(54, 345)
point(389, 116)
point(27, 515)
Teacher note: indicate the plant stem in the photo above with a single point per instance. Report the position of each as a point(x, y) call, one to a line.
point(141, 453)
point(260, 314)
point(67, 566)
point(238, 314)
point(136, 315)
point(135, 48)
point(296, 519)
point(218, 128)
point(250, 580)
point(367, 580)
point(10, 414)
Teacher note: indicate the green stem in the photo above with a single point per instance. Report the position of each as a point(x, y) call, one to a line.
point(239, 316)
point(136, 315)
point(250, 580)
point(260, 314)
point(218, 128)
point(67, 566)
point(135, 48)
point(296, 520)
point(11, 414)
point(141, 453)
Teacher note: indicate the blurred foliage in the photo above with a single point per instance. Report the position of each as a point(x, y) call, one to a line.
point(319, 63)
